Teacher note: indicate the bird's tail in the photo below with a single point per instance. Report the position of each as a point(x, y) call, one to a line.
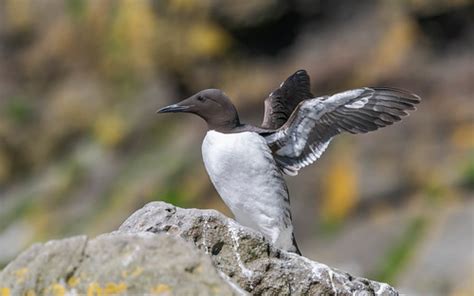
point(295, 245)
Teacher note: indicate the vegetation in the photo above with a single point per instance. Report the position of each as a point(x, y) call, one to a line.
point(81, 147)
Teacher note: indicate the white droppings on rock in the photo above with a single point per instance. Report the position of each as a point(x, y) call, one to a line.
point(234, 232)
point(382, 289)
point(331, 278)
point(204, 235)
point(276, 270)
point(233, 285)
point(318, 269)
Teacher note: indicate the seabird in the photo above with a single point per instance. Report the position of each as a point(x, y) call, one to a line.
point(246, 163)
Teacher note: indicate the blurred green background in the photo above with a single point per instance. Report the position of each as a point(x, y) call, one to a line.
point(81, 147)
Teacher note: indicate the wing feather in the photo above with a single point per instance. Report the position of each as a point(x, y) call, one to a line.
point(281, 102)
point(315, 122)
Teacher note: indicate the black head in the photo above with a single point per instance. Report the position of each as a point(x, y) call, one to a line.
point(210, 104)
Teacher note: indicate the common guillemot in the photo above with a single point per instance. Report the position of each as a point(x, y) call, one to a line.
point(246, 163)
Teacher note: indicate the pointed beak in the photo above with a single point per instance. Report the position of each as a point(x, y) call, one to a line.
point(173, 109)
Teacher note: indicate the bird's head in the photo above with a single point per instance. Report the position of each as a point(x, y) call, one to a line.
point(210, 104)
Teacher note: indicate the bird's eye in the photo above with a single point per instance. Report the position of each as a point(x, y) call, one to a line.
point(201, 98)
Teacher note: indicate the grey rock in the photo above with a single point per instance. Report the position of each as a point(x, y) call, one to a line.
point(165, 250)
point(245, 257)
point(42, 266)
point(118, 264)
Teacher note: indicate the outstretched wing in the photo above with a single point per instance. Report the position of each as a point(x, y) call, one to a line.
point(281, 102)
point(313, 124)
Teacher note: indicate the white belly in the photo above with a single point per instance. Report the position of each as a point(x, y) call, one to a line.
point(243, 171)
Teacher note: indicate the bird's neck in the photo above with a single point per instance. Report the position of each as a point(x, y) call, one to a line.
point(225, 126)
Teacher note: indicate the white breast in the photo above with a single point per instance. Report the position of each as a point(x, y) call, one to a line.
point(242, 169)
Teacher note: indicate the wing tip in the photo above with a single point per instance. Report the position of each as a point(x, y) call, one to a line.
point(405, 94)
point(301, 72)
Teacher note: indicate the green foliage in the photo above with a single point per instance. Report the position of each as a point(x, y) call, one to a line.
point(21, 209)
point(399, 255)
point(76, 8)
point(19, 110)
point(330, 226)
point(434, 191)
point(174, 196)
point(81, 79)
point(467, 177)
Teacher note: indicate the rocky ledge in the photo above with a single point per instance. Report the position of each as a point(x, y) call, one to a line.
point(165, 250)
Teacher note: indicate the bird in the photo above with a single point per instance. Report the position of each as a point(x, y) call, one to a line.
point(246, 164)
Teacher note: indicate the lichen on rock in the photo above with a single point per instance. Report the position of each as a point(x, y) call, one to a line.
point(113, 264)
point(165, 250)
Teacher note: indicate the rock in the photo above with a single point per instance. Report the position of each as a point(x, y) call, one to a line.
point(117, 263)
point(165, 250)
point(245, 257)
